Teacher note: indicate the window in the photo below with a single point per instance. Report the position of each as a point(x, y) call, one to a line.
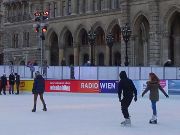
point(55, 9)
point(113, 4)
point(26, 39)
point(78, 6)
point(63, 8)
point(15, 41)
point(69, 7)
point(95, 5)
point(84, 6)
point(102, 5)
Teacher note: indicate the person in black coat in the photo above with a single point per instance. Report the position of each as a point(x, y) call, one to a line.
point(17, 82)
point(11, 83)
point(126, 86)
point(38, 89)
point(3, 84)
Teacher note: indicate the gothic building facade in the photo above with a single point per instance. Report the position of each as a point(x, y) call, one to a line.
point(155, 26)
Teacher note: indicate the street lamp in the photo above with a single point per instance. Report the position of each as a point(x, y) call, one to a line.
point(126, 32)
point(91, 39)
point(110, 41)
point(41, 27)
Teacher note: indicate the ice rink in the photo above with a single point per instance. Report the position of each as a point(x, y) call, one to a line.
point(85, 114)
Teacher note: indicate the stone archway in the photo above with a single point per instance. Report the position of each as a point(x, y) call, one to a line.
point(141, 35)
point(54, 50)
point(174, 38)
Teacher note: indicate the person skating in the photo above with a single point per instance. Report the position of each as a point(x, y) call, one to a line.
point(3, 84)
point(38, 89)
point(11, 83)
point(153, 85)
point(17, 81)
point(128, 88)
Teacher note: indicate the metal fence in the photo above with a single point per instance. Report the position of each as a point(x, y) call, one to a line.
point(96, 73)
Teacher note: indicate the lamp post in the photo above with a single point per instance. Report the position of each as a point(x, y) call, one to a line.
point(91, 39)
point(126, 32)
point(110, 41)
point(41, 27)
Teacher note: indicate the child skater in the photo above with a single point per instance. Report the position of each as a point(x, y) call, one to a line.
point(126, 86)
point(153, 85)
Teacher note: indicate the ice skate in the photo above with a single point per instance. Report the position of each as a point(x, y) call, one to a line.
point(153, 120)
point(127, 122)
point(45, 108)
point(34, 109)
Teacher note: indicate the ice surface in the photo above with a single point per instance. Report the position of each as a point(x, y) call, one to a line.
point(85, 114)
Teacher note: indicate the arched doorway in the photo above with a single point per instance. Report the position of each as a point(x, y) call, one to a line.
point(101, 59)
point(141, 33)
point(174, 45)
point(117, 59)
point(54, 50)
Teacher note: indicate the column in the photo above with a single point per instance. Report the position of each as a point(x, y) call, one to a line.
point(165, 47)
point(74, 7)
point(76, 55)
point(132, 50)
point(176, 50)
point(90, 6)
point(154, 41)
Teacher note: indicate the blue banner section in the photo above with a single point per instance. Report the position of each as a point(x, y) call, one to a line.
point(174, 86)
point(108, 86)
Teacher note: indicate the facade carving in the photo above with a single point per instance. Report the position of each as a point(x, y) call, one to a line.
point(155, 29)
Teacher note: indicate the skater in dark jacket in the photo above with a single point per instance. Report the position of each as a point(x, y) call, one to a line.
point(3, 84)
point(153, 85)
point(38, 89)
point(17, 82)
point(11, 83)
point(126, 86)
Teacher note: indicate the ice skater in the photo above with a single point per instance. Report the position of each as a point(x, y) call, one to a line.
point(153, 85)
point(126, 86)
point(11, 83)
point(38, 89)
point(3, 84)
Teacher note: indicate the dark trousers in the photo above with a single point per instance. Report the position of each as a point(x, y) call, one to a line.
point(3, 88)
point(125, 102)
point(154, 107)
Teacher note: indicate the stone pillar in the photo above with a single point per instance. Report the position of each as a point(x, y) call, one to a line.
point(74, 7)
point(132, 50)
point(164, 47)
point(154, 47)
point(106, 57)
point(90, 6)
point(176, 50)
point(76, 55)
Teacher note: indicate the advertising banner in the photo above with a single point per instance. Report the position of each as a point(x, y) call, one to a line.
point(108, 86)
point(26, 85)
point(60, 86)
point(87, 86)
point(174, 86)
